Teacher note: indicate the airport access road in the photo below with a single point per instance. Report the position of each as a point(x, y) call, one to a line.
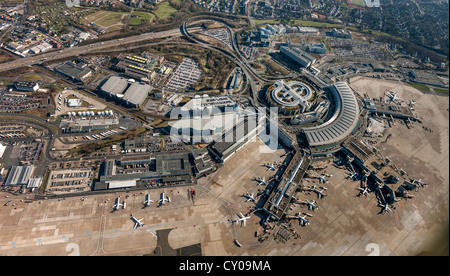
point(86, 49)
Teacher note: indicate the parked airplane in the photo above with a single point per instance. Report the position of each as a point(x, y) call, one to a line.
point(302, 220)
point(261, 181)
point(163, 199)
point(363, 191)
point(385, 208)
point(322, 179)
point(353, 176)
point(242, 219)
point(311, 204)
point(392, 96)
point(137, 222)
point(147, 200)
point(270, 166)
point(116, 206)
point(320, 193)
point(250, 197)
point(419, 181)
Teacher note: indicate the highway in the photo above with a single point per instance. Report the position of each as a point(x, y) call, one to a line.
point(86, 49)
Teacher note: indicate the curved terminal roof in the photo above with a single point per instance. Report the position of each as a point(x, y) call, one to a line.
point(342, 123)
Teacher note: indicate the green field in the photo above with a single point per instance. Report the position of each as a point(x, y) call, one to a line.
point(441, 90)
point(107, 18)
point(139, 17)
point(420, 86)
point(165, 10)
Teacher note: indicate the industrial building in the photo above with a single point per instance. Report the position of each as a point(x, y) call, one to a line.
point(200, 104)
point(86, 121)
point(114, 86)
point(339, 33)
point(204, 128)
point(77, 70)
point(136, 94)
point(127, 92)
point(19, 175)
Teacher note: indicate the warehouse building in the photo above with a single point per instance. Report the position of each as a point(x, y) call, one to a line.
point(77, 70)
point(114, 87)
point(125, 91)
point(136, 94)
point(19, 175)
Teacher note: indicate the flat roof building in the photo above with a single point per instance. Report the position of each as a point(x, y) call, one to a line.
point(75, 70)
point(114, 86)
point(298, 55)
point(26, 86)
point(167, 168)
point(19, 175)
point(136, 94)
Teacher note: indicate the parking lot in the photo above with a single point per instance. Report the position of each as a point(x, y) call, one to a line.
point(69, 180)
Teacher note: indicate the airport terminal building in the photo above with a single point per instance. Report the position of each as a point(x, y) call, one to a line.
point(343, 121)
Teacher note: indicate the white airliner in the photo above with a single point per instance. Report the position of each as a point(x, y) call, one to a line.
point(302, 220)
point(270, 166)
point(249, 197)
point(392, 96)
point(261, 181)
point(385, 208)
point(320, 193)
point(364, 191)
point(353, 176)
point(137, 222)
point(116, 206)
point(163, 199)
point(311, 204)
point(322, 179)
point(147, 200)
point(419, 181)
point(242, 219)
